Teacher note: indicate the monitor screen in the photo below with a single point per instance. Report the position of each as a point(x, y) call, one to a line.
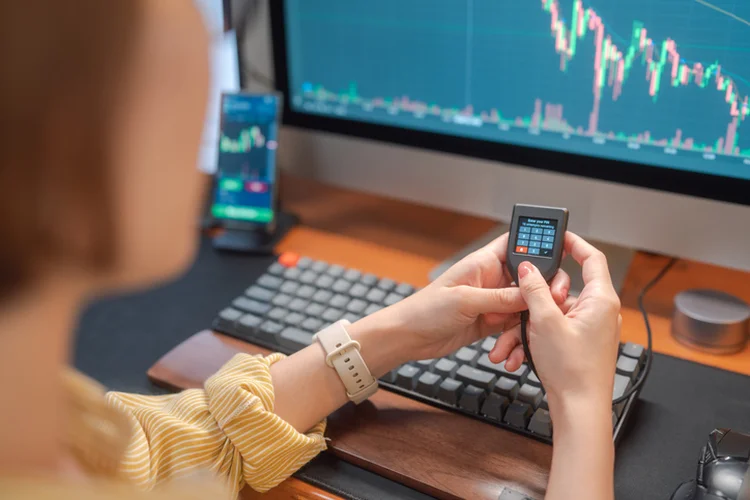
point(245, 180)
point(649, 82)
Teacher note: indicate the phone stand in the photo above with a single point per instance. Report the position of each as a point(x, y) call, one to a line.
point(254, 241)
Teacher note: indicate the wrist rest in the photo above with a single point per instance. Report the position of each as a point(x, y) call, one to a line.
point(440, 453)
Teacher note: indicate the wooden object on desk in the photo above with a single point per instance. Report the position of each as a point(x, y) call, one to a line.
point(454, 455)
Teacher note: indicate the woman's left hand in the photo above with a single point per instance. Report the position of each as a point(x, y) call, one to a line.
point(472, 300)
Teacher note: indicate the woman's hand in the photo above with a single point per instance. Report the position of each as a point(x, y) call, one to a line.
point(574, 349)
point(471, 300)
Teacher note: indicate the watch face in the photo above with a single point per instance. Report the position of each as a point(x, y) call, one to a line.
point(536, 237)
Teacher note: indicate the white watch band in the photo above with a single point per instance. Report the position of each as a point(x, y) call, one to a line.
point(342, 354)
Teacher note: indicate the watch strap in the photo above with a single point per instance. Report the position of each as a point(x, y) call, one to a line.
point(342, 354)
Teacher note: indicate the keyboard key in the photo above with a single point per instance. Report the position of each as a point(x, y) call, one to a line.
point(518, 415)
point(288, 259)
point(294, 339)
point(277, 314)
point(270, 328)
point(298, 305)
point(392, 298)
point(507, 387)
point(404, 289)
point(270, 282)
point(338, 301)
point(631, 350)
point(281, 300)
point(311, 325)
point(471, 399)
point(306, 292)
point(227, 317)
point(358, 290)
point(466, 355)
point(406, 376)
point(494, 406)
point(428, 384)
point(324, 281)
point(352, 274)
point(308, 277)
point(294, 319)
point(544, 405)
point(541, 423)
point(622, 384)
point(259, 294)
point(389, 378)
point(476, 377)
point(488, 344)
point(351, 317)
point(368, 279)
point(332, 314)
point(322, 296)
point(289, 287)
point(292, 273)
point(304, 262)
point(315, 309)
point(425, 364)
point(449, 391)
point(521, 374)
point(356, 306)
point(335, 270)
point(372, 308)
point(531, 395)
point(276, 269)
point(319, 266)
point(251, 306)
point(445, 367)
point(376, 295)
point(250, 321)
point(628, 367)
point(484, 363)
point(533, 379)
point(341, 286)
point(386, 284)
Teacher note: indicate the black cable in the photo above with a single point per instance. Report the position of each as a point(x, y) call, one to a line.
point(649, 346)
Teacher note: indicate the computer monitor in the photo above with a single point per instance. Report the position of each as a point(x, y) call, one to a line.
point(632, 115)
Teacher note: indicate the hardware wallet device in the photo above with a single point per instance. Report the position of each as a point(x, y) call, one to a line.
point(245, 187)
point(537, 235)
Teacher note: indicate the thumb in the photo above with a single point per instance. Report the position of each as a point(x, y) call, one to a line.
point(537, 294)
point(476, 301)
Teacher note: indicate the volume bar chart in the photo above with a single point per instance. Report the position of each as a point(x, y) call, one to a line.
point(657, 82)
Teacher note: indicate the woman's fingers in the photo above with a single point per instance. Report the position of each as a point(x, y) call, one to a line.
point(515, 359)
point(505, 344)
point(560, 286)
point(476, 301)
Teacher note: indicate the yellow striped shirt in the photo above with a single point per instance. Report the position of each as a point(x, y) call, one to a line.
point(227, 429)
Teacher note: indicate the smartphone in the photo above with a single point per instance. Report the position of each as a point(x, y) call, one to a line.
point(245, 187)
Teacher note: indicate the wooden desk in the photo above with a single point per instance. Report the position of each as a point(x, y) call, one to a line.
point(404, 241)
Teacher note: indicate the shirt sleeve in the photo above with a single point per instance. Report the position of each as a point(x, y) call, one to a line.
point(228, 428)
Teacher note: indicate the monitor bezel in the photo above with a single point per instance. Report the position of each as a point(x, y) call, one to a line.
point(713, 187)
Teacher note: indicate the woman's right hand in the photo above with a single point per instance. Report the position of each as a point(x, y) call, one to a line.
point(574, 347)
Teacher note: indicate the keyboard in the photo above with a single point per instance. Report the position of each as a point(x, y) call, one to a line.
point(297, 297)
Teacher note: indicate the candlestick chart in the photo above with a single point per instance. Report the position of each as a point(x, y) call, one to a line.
point(658, 82)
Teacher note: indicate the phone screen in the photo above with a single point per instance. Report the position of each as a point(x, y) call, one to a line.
point(245, 186)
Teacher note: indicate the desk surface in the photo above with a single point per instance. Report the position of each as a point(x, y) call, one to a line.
point(404, 241)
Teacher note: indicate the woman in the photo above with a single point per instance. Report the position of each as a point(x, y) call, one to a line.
point(102, 108)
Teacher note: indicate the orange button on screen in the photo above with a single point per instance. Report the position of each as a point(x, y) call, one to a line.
point(522, 250)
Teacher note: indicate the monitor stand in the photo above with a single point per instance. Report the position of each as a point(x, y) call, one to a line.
point(619, 259)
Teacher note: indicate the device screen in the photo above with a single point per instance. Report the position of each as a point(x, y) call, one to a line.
point(536, 236)
point(246, 173)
